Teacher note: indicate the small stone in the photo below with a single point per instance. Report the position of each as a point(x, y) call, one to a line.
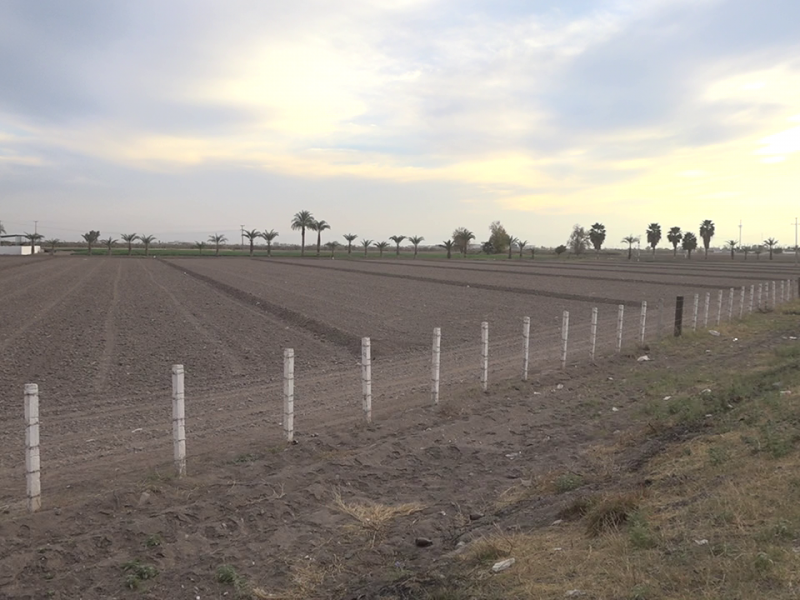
point(575, 593)
point(714, 333)
point(614, 409)
point(702, 542)
point(667, 397)
point(557, 522)
point(560, 386)
point(422, 542)
point(644, 358)
point(475, 516)
point(144, 499)
point(503, 565)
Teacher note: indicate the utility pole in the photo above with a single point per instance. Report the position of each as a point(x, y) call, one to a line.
point(35, 227)
point(740, 233)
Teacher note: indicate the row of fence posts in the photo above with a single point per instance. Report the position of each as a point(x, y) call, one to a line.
point(32, 454)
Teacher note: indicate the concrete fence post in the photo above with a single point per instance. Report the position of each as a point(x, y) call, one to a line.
point(620, 318)
point(705, 311)
point(178, 420)
point(741, 304)
point(32, 457)
point(760, 292)
point(484, 356)
point(774, 304)
point(593, 335)
point(694, 312)
point(730, 304)
point(643, 323)
point(436, 357)
point(564, 338)
point(366, 379)
point(783, 292)
point(526, 346)
point(719, 307)
point(288, 394)
point(752, 296)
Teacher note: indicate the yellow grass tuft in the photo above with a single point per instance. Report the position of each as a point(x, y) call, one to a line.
point(374, 515)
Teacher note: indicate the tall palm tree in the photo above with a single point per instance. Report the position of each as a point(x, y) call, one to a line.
point(382, 246)
point(52, 243)
point(707, 232)
point(597, 235)
point(108, 243)
point(653, 236)
point(416, 240)
point(147, 240)
point(200, 246)
point(511, 241)
point(350, 237)
point(397, 239)
point(269, 236)
point(91, 238)
point(674, 236)
point(252, 235)
point(521, 245)
point(302, 221)
point(217, 239)
point(449, 245)
point(33, 238)
point(771, 243)
point(462, 237)
point(689, 243)
point(129, 238)
point(366, 244)
point(732, 245)
point(630, 240)
point(319, 227)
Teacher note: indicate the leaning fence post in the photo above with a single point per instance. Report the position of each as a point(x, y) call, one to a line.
point(705, 311)
point(730, 305)
point(678, 316)
point(719, 307)
point(773, 295)
point(593, 335)
point(288, 394)
point(760, 291)
point(620, 317)
point(752, 295)
point(32, 457)
point(741, 304)
point(366, 378)
point(564, 338)
point(643, 322)
point(782, 292)
point(178, 420)
point(436, 355)
point(694, 315)
point(526, 345)
point(484, 356)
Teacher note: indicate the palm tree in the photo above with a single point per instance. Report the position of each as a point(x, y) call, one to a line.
point(366, 244)
point(129, 238)
point(147, 240)
point(319, 227)
point(630, 240)
point(109, 243)
point(332, 247)
point(707, 232)
point(462, 237)
point(397, 239)
point(350, 237)
point(91, 238)
point(33, 238)
point(449, 245)
point(416, 240)
point(52, 243)
point(269, 236)
point(771, 243)
point(382, 246)
point(674, 236)
point(689, 243)
point(302, 221)
point(597, 235)
point(200, 246)
point(217, 239)
point(732, 245)
point(511, 241)
point(521, 245)
point(251, 236)
point(758, 249)
point(653, 236)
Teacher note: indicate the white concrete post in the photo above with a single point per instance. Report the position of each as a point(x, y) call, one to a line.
point(436, 356)
point(32, 457)
point(643, 322)
point(484, 356)
point(705, 312)
point(730, 305)
point(620, 317)
point(741, 304)
point(773, 295)
point(760, 290)
point(593, 334)
point(783, 291)
point(694, 313)
point(288, 394)
point(564, 338)
point(752, 296)
point(178, 420)
point(366, 378)
point(719, 307)
point(526, 346)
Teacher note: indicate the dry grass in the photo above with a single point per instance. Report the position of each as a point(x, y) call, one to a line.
point(374, 516)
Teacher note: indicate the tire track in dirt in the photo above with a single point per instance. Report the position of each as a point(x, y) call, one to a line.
point(464, 284)
point(109, 336)
point(334, 335)
point(18, 283)
point(235, 365)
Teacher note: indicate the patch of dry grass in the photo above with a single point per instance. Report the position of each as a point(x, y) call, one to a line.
point(374, 515)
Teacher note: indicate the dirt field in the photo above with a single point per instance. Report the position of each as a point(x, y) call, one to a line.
point(99, 336)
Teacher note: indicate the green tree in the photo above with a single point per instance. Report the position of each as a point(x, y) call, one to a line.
point(630, 240)
point(366, 244)
point(771, 243)
point(147, 240)
point(758, 249)
point(499, 237)
point(732, 246)
point(597, 235)
point(462, 238)
point(577, 240)
point(653, 236)
point(397, 239)
point(350, 237)
point(217, 239)
point(382, 246)
point(268, 237)
point(332, 247)
point(675, 236)
point(90, 239)
point(302, 221)
point(560, 249)
point(200, 246)
point(109, 243)
point(129, 238)
point(33, 238)
point(449, 245)
point(707, 232)
point(521, 245)
point(52, 243)
point(689, 243)
point(416, 240)
point(511, 242)
point(319, 227)
point(252, 236)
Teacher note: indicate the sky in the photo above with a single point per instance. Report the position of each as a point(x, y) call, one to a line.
point(400, 117)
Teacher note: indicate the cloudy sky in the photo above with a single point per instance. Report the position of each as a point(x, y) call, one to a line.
point(185, 118)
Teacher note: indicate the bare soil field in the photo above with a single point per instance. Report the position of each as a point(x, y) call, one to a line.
point(99, 336)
